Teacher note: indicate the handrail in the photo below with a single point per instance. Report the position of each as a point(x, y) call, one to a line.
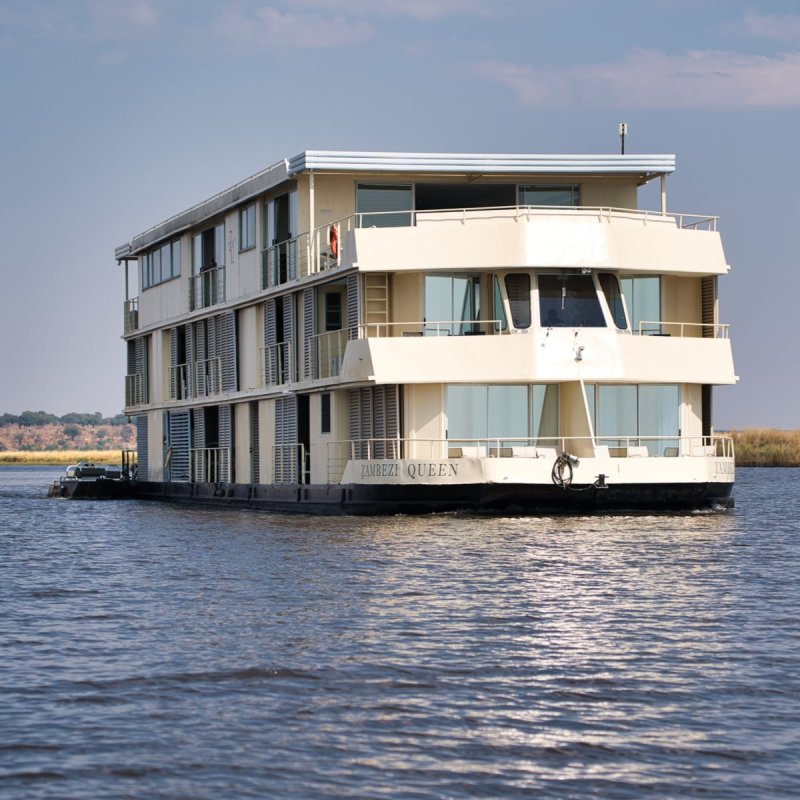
point(134, 389)
point(714, 446)
point(325, 247)
point(207, 288)
point(207, 377)
point(131, 315)
point(210, 464)
point(291, 463)
point(277, 364)
point(179, 383)
point(656, 328)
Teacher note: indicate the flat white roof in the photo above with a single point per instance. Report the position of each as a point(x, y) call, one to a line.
point(472, 164)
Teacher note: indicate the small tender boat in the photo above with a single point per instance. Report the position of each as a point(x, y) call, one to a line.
point(90, 481)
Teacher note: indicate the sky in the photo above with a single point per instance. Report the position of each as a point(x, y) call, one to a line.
point(118, 114)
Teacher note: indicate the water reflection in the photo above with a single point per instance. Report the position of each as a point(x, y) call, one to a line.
point(165, 651)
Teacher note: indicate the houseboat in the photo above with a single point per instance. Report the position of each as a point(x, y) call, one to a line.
point(387, 332)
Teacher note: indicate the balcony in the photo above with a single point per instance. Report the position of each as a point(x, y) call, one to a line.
point(179, 382)
point(135, 394)
point(210, 465)
point(131, 316)
point(207, 377)
point(207, 288)
point(277, 364)
point(645, 454)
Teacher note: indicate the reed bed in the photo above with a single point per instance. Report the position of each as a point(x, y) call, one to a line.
point(40, 457)
point(767, 447)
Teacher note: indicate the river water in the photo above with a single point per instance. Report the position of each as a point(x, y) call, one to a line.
point(155, 651)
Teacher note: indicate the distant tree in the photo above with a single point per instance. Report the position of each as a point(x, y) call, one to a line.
point(29, 418)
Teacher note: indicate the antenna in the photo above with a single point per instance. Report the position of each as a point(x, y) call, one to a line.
point(623, 129)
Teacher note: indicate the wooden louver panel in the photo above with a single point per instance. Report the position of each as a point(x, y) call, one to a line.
point(179, 437)
point(708, 289)
point(141, 448)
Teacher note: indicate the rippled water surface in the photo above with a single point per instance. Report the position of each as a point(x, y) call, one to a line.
point(155, 651)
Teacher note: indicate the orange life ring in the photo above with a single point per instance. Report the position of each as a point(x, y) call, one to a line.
point(334, 241)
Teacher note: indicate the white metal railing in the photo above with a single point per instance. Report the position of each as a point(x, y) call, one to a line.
point(325, 352)
point(326, 247)
point(207, 288)
point(277, 364)
point(340, 452)
point(210, 464)
point(131, 315)
point(134, 389)
point(701, 329)
point(457, 327)
point(207, 377)
point(291, 463)
point(179, 385)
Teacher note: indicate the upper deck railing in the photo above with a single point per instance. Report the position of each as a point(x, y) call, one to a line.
point(325, 247)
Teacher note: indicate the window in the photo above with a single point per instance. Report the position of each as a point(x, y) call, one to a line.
point(643, 298)
point(610, 286)
point(569, 301)
point(160, 265)
point(549, 195)
point(208, 249)
point(452, 304)
point(625, 414)
point(518, 288)
point(498, 309)
point(325, 413)
point(512, 414)
point(247, 227)
point(383, 206)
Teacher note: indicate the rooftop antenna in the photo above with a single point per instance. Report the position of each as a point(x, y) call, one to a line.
point(623, 129)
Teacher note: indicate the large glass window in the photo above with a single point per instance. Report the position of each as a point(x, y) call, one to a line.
point(643, 298)
point(513, 415)
point(247, 227)
point(627, 415)
point(383, 206)
point(611, 291)
point(549, 195)
point(161, 264)
point(452, 305)
point(569, 301)
point(498, 309)
point(518, 288)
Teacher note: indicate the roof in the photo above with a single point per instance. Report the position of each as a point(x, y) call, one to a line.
point(643, 166)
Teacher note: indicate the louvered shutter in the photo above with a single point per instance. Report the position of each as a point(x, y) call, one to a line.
point(179, 442)
point(255, 448)
point(352, 306)
point(225, 443)
point(309, 343)
point(228, 351)
point(143, 468)
point(173, 363)
point(190, 358)
point(708, 289)
point(290, 348)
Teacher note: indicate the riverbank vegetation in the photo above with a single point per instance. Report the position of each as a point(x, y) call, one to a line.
point(59, 457)
point(766, 447)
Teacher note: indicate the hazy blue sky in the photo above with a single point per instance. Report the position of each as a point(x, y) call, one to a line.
point(115, 115)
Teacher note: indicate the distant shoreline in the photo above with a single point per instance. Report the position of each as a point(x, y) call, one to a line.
point(754, 447)
point(44, 458)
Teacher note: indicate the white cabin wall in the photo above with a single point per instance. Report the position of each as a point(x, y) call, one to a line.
point(266, 439)
point(406, 297)
point(155, 446)
point(681, 302)
point(609, 194)
point(248, 342)
point(691, 416)
point(156, 389)
point(424, 418)
point(573, 418)
point(241, 443)
point(335, 198)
